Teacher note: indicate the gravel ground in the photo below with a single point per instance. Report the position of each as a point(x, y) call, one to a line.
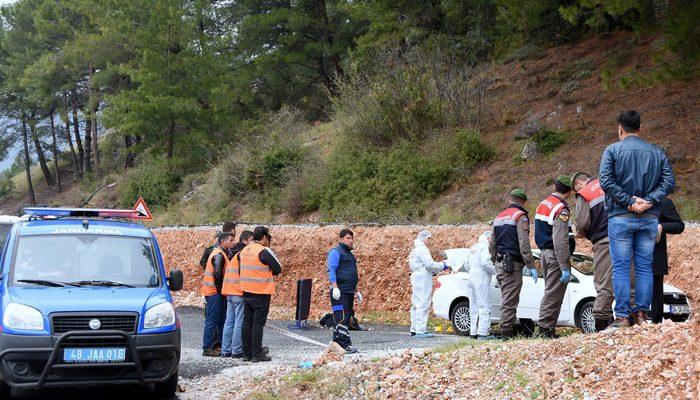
point(206, 377)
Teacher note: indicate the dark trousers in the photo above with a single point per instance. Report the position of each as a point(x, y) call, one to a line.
point(657, 299)
point(342, 312)
point(255, 309)
point(215, 316)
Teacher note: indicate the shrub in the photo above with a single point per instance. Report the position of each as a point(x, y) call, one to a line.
point(396, 183)
point(407, 95)
point(464, 150)
point(549, 140)
point(154, 181)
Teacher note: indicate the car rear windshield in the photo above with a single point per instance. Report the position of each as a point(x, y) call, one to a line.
point(85, 258)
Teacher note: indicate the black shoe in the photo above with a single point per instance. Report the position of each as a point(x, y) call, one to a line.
point(224, 355)
point(350, 350)
point(265, 350)
point(508, 334)
point(239, 355)
point(262, 359)
point(413, 334)
point(602, 324)
point(246, 358)
point(547, 333)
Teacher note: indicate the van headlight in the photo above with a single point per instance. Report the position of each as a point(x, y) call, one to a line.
point(159, 316)
point(19, 316)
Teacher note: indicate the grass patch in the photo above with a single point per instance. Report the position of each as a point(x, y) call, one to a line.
point(264, 396)
point(521, 379)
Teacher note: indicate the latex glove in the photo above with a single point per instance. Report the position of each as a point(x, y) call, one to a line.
point(358, 296)
point(565, 276)
point(445, 267)
point(533, 273)
point(336, 293)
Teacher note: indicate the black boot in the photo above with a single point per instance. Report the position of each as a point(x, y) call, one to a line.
point(507, 334)
point(547, 333)
point(602, 324)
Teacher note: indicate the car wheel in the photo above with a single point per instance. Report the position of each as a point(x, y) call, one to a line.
point(584, 318)
point(5, 391)
point(168, 388)
point(460, 318)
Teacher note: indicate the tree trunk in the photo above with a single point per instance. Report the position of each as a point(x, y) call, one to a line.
point(95, 148)
point(40, 155)
point(130, 141)
point(55, 153)
point(27, 163)
point(76, 163)
point(171, 139)
point(78, 142)
point(88, 145)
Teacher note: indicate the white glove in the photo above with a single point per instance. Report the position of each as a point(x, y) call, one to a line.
point(336, 293)
point(358, 295)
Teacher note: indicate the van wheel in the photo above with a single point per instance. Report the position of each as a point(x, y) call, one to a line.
point(584, 318)
point(168, 388)
point(5, 390)
point(460, 318)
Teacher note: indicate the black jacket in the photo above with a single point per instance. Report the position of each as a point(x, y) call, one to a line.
point(671, 223)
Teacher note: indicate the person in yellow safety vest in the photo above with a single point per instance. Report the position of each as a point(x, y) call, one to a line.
point(215, 309)
point(258, 266)
point(231, 345)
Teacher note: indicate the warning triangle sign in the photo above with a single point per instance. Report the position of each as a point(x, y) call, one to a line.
point(142, 209)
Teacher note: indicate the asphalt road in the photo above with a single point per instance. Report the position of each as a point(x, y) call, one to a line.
point(380, 341)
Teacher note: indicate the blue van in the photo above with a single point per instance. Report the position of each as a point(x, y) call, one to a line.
point(85, 301)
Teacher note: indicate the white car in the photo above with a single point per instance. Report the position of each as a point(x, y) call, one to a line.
point(450, 299)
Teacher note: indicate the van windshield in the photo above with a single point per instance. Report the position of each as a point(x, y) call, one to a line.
point(85, 260)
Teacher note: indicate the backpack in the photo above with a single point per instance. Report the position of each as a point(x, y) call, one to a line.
point(205, 257)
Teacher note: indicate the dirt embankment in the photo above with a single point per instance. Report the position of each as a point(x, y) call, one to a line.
point(381, 252)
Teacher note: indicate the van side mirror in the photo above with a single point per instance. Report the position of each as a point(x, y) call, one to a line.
point(175, 280)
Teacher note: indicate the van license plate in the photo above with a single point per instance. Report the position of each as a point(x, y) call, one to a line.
point(94, 354)
point(680, 310)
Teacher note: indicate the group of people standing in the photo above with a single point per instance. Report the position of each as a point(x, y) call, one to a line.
point(625, 214)
point(238, 285)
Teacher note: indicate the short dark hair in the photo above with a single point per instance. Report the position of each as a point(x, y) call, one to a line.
point(228, 226)
point(516, 199)
point(581, 175)
point(561, 188)
point(345, 232)
point(245, 235)
point(260, 232)
point(223, 236)
point(630, 120)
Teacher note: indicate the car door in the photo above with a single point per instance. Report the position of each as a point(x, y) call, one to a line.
point(495, 298)
point(531, 294)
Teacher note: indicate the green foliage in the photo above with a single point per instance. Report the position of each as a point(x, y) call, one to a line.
point(407, 95)
point(395, 183)
point(604, 15)
point(549, 140)
point(155, 181)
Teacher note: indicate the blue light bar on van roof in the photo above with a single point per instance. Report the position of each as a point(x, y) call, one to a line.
point(82, 212)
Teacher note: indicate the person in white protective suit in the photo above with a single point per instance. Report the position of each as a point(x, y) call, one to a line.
point(423, 267)
point(481, 271)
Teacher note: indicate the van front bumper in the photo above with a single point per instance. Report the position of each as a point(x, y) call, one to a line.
point(37, 361)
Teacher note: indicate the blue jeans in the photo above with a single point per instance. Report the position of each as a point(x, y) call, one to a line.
point(231, 343)
point(632, 239)
point(214, 320)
